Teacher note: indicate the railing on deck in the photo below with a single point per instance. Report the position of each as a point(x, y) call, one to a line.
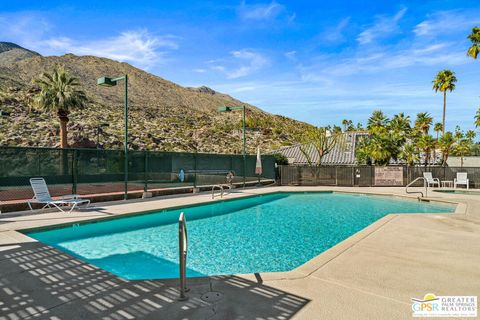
point(182, 253)
point(413, 182)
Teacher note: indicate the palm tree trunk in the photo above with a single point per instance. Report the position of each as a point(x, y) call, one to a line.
point(444, 110)
point(63, 133)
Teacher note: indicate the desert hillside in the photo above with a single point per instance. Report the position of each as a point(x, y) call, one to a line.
point(163, 115)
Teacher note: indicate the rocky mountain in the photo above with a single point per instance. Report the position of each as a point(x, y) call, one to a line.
point(11, 52)
point(163, 115)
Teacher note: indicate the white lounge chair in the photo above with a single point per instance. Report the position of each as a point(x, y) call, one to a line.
point(42, 196)
point(431, 180)
point(461, 179)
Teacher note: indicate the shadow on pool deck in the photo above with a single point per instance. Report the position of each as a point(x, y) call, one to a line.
point(38, 281)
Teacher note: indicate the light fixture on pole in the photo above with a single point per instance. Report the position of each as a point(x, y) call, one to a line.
point(110, 82)
point(243, 108)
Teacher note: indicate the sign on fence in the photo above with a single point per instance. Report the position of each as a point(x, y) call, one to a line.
point(389, 176)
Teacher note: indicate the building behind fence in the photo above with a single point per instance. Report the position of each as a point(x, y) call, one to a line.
point(369, 176)
point(96, 171)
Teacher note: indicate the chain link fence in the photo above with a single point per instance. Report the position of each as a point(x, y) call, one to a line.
point(96, 171)
point(368, 176)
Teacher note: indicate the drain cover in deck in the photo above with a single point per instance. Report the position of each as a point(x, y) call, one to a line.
point(212, 296)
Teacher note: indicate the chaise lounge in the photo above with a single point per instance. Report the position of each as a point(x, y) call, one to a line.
point(42, 196)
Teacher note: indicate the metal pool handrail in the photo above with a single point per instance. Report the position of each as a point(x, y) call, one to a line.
point(183, 248)
point(221, 190)
point(228, 189)
point(424, 184)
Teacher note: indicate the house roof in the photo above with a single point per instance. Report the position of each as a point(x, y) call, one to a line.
point(342, 154)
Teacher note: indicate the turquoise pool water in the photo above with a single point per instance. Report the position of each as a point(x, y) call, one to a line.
point(274, 232)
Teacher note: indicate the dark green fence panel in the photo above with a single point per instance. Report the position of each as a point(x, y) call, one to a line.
point(364, 176)
point(96, 171)
point(18, 165)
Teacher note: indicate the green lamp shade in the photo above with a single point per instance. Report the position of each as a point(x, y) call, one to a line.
point(106, 81)
point(224, 109)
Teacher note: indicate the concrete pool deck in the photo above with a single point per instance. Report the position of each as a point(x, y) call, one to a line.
point(371, 275)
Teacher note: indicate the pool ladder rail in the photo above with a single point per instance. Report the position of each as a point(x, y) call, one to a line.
point(221, 187)
point(182, 254)
point(424, 184)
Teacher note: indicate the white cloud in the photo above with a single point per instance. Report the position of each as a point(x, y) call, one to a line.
point(292, 17)
point(442, 22)
point(335, 34)
point(243, 89)
point(247, 62)
point(443, 55)
point(200, 70)
point(23, 28)
point(138, 47)
point(384, 26)
point(292, 55)
point(260, 11)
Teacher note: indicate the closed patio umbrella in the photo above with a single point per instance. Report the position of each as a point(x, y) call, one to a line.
point(258, 165)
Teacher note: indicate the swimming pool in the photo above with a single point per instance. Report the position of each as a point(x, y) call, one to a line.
point(272, 232)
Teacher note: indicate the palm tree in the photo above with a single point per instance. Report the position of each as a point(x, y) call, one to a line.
point(463, 147)
point(444, 81)
point(363, 151)
point(423, 122)
point(59, 93)
point(334, 129)
point(377, 119)
point(475, 38)
point(359, 127)
point(401, 123)
point(458, 133)
point(470, 135)
point(437, 128)
point(347, 125)
point(426, 144)
point(409, 154)
point(446, 143)
point(477, 119)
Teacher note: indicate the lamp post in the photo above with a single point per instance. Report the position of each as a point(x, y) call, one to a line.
point(110, 82)
point(243, 108)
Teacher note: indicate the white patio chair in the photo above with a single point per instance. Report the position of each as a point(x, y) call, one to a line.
point(42, 196)
point(461, 179)
point(431, 180)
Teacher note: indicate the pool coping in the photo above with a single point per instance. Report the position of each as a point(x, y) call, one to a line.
point(302, 271)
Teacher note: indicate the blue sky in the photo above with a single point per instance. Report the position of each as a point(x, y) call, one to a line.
point(315, 61)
